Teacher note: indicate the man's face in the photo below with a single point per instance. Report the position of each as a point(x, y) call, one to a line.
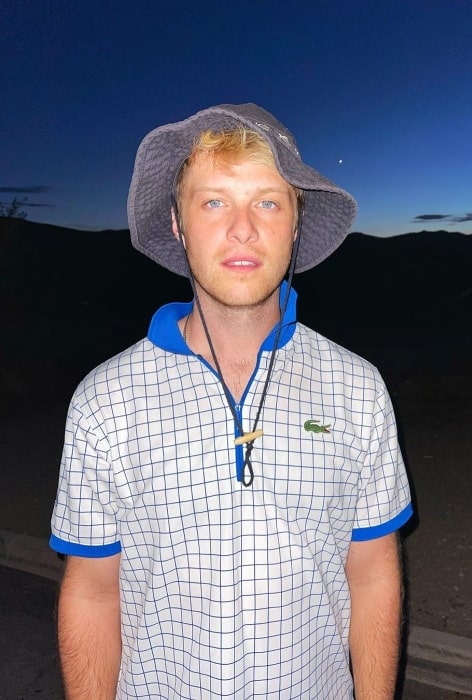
point(238, 228)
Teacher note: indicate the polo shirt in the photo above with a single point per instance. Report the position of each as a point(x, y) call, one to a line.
point(230, 591)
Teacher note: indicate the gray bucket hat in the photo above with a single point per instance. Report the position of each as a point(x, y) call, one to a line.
point(328, 211)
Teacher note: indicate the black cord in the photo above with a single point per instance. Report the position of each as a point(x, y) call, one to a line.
point(247, 465)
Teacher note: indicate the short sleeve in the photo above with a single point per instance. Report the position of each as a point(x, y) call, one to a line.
point(384, 502)
point(84, 516)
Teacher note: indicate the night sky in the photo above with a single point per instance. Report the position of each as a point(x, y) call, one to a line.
point(378, 95)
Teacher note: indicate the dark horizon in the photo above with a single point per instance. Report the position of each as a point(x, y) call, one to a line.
point(404, 302)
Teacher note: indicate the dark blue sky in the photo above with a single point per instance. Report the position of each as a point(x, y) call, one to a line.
point(384, 87)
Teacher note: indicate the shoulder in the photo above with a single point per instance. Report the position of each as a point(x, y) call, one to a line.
point(335, 362)
point(117, 373)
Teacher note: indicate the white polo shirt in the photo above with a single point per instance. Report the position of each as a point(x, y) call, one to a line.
point(228, 591)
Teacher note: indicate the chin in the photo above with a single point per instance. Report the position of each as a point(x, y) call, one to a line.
point(243, 298)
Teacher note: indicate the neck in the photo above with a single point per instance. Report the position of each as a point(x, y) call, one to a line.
point(236, 335)
point(234, 332)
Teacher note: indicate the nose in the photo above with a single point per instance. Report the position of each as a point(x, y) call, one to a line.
point(242, 227)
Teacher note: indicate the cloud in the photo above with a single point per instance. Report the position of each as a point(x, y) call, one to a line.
point(84, 227)
point(20, 195)
point(24, 203)
point(27, 204)
point(447, 218)
point(462, 219)
point(432, 217)
point(33, 189)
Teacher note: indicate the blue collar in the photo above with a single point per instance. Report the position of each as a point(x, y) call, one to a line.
point(164, 331)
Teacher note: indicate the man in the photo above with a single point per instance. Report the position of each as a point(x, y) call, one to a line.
point(231, 486)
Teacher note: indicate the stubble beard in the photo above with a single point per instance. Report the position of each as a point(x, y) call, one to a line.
point(223, 300)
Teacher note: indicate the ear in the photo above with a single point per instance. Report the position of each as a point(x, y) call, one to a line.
point(176, 228)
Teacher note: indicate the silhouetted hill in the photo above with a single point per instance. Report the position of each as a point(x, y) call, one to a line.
point(72, 298)
point(413, 281)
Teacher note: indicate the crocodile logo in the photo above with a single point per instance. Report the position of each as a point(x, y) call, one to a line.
point(313, 427)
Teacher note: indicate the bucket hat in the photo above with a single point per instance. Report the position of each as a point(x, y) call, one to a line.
point(328, 210)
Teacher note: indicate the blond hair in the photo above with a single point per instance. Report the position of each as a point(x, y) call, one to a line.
point(228, 148)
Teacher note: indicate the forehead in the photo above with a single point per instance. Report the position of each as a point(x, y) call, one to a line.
point(207, 168)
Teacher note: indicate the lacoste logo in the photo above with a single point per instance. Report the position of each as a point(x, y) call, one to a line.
point(312, 426)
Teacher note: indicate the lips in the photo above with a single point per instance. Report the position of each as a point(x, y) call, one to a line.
point(241, 262)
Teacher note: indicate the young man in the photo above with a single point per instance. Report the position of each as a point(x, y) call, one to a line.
point(231, 486)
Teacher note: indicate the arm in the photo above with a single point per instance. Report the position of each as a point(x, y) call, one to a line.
point(374, 574)
point(89, 627)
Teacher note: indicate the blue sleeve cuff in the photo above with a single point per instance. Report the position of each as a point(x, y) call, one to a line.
point(371, 533)
point(84, 550)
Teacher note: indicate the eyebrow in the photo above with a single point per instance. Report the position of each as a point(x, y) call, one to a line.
point(262, 190)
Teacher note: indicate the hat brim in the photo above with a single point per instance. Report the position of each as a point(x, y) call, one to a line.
point(329, 211)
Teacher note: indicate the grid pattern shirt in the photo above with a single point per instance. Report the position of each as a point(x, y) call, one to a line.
point(228, 591)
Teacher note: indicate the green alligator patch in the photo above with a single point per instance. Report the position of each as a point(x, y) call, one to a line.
point(312, 426)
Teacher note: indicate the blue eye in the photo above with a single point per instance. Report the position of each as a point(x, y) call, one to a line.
point(214, 203)
point(267, 204)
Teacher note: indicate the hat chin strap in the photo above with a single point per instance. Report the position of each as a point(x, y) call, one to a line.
point(243, 438)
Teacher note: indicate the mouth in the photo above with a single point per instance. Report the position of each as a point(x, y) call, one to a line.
point(241, 263)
